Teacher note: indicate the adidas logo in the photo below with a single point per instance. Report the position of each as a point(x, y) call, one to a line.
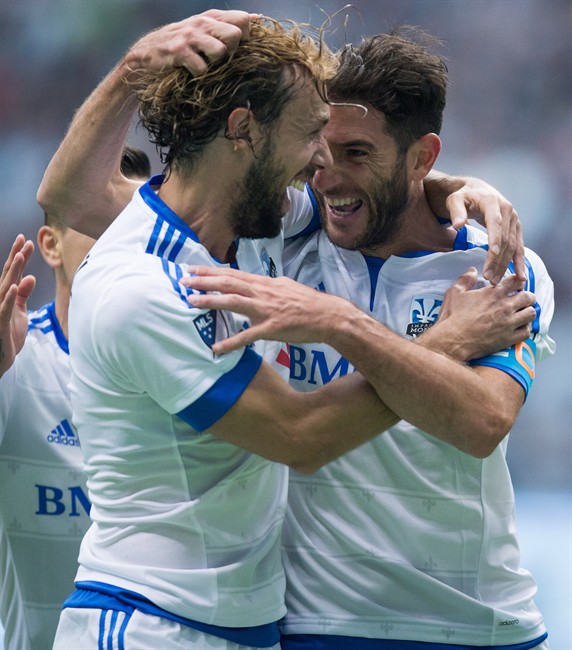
point(63, 434)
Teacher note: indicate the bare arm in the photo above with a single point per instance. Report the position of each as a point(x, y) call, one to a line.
point(304, 430)
point(14, 293)
point(426, 388)
point(462, 197)
point(83, 182)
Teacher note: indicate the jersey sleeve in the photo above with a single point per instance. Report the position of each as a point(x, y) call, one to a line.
point(303, 216)
point(153, 341)
point(520, 360)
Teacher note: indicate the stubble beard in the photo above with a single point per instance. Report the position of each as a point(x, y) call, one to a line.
point(390, 199)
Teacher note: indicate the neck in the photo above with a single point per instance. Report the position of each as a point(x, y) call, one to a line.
point(203, 196)
point(419, 230)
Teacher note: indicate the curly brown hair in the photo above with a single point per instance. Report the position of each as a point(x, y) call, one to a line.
point(183, 113)
point(399, 76)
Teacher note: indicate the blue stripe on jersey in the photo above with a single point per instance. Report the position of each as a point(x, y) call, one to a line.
point(335, 642)
point(167, 239)
point(177, 247)
point(122, 629)
point(223, 394)
point(374, 265)
point(100, 643)
point(99, 595)
point(152, 243)
point(176, 229)
point(45, 320)
point(175, 272)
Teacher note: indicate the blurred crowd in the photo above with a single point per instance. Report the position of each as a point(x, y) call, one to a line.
point(508, 120)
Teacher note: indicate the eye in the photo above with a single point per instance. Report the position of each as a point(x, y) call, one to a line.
point(355, 153)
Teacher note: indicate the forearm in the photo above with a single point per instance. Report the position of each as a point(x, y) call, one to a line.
point(438, 186)
point(83, 184)
point(340, 416)
point(304, 430)
point(428, 389)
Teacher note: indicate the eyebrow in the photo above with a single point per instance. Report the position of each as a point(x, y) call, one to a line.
point(365, 144)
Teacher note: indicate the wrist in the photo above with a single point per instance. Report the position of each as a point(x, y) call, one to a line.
point(444, 340)
point(350, 327)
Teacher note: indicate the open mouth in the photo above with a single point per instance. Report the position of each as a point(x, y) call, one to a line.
point(344, 206)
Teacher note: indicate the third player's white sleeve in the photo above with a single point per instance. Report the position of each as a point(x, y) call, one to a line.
point(303, 216)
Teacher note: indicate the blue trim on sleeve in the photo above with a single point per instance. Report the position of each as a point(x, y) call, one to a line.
point(223, 394)
point(335, 642)
point(99, 595)
point(519, 362)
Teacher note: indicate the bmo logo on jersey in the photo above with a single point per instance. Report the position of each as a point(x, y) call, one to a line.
point(53, 501)
point(423, 312)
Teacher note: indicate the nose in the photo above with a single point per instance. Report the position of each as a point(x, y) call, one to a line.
point(327, 177)
point(323, 156)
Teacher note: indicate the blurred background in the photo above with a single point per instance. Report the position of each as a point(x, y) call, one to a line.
point(508, 120)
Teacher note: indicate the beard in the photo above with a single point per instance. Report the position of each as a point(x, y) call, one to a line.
point(258, 210)
point(389, 199)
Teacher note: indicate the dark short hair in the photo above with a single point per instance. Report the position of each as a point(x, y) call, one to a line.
point(135, 163)
point(399, 76)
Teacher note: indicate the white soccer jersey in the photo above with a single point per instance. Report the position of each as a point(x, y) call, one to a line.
point(407, 537)
point(182, 518)
point(44, 510)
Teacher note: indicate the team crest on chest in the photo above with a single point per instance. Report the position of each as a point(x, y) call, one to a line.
point(423, 312)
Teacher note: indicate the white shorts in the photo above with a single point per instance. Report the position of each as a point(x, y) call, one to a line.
point(96, 629)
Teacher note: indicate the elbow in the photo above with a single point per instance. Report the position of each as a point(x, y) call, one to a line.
point(305, 465)
point(305, 454)
point(487, 433)
point(53, 203)
point(305, 459)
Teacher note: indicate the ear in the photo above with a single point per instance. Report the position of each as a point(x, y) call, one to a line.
point(424, 154)
point(242, 128)
point(50, 247)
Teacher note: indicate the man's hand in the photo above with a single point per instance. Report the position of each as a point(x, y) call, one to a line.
point(468, 197)
point(474, 323)
point(14, 292)
point(191, 43)
point(279, 309)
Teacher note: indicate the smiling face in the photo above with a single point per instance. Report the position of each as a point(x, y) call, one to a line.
point(289, 152)
point(366, 191)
